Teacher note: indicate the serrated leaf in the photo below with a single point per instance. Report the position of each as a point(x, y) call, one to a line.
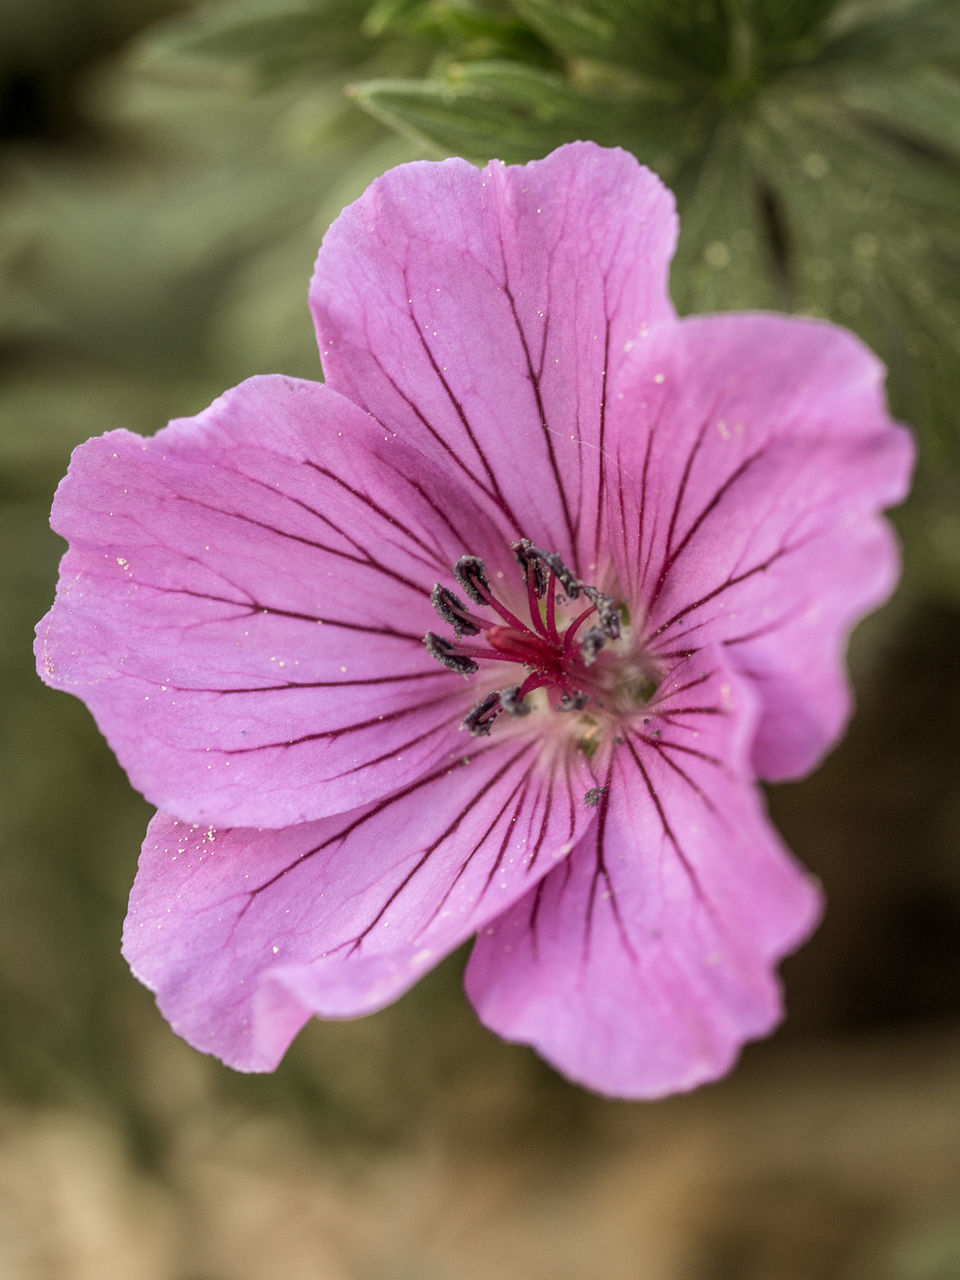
point(725, 259)
point(389, 14)
point(576, 29)
point(492, 21)
point(517, 113)
point(780, 24)
point(327, 38)
point(507, 109)
point(873, 243)
point(923, 104)
point(258, 37)
point(677, 40)
point(661, 39)
point(895, 33)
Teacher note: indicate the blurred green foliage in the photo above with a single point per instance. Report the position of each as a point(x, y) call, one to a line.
point(813, 146)
point(166, 173)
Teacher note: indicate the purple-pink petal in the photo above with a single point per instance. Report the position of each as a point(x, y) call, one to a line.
point(754, 454)
point(483, 314)
point(641, 965)
point(243, 611)
point(243, 934)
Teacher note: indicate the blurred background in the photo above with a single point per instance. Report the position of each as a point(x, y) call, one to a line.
point(166, 172)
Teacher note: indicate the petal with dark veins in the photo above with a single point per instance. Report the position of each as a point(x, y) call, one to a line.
point(641, 965)
point(484, 312)
point(243, 934)
point(243, 608)
point(753, 456)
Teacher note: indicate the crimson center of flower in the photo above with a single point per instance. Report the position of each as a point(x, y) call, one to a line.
point(559, 653)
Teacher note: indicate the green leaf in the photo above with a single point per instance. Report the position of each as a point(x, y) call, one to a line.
point(324, 39)
point(726, 259)
point(682, 41)
point(872, 241)
point(274, 46)
point(517, 112)
point(781, 24)
point(527, 111)
point(660, 39)
point(483, 29)
point(922, 105)
point(895, 33)
point(389, 14)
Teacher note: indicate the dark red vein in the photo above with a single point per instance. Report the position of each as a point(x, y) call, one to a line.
point(661, 696)
point(665, 823)
point(698, 791)
point(461, 414)
point(724, 586)
point(601, 872)
point(402, 794)
point(355, 942)
point(601, 451)
point(363, 560)
point(295, 685)
point(374, 506)
point(378, 721)
point(682, 746)
point(254, 607)
point(523, 783)
point(489, 494)
point(711, 506)
point(544, 427)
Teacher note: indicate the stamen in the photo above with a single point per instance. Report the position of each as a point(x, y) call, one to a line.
point(572, 701)
point(555, 649)
point(480, 720)
point(531, 562)
point(607, 612)
point(571, 632)
point(550, 613)
point(471, 573)
point(567, 580)
point(445, 652)
point(591, 644)
point(453, 611)
point(512, 702)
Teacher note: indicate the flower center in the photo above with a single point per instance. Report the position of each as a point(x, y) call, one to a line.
point(557, 645)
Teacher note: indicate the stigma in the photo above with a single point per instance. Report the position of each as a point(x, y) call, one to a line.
point(556, 646)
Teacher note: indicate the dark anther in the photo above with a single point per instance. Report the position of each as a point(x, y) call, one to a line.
point(591, 644)
point(567, 580)
point(572, 702)
point(607, 612)
point(445, 652)
point(530, 561)
point(471, 573)
point(481, 718)
point(513, 705)
point(452, 609)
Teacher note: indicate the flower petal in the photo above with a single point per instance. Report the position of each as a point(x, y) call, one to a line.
point(482, 313)
point(642, 964)
point(243, 612)
point(753, 455)
point(244, 934)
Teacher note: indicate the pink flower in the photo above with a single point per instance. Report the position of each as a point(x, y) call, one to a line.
point(635, 545)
